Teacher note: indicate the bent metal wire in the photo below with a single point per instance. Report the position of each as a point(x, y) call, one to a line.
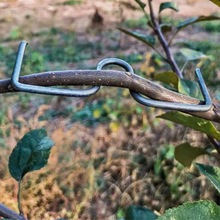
point(42, 89)
point(94, 89)
point(162, 104)
point(176, 105)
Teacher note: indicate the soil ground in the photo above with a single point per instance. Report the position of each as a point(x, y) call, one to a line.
point(35, 15)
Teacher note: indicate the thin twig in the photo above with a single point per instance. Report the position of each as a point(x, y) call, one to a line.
point(172, 37)
point(163, 41)
point(114, 79)
point(215, 143)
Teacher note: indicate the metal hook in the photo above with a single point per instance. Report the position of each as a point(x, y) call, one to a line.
point(90, 91)
point(42, 89)
point(116, 61)
point(176, 105)
point(162, 104)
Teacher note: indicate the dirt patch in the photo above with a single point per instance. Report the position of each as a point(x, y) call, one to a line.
point(36, 15)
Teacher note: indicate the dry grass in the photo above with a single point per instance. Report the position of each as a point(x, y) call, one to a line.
point(93, 171)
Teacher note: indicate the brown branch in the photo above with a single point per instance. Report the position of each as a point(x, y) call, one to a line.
point(5, 212)
point(170, 59)
point(115, 79)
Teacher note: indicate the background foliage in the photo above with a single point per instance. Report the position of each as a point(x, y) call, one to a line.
point(109, 151)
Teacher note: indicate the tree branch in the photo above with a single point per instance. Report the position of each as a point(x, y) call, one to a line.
point(114, 79)
point(163, 42)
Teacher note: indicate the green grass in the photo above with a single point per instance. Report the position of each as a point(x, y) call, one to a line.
point(56, 47)
point(72, 2)
point(203, 46)
point(210, 26)
point(64, 47)
point(136, 23)
point(132, 58)
point(211, 49)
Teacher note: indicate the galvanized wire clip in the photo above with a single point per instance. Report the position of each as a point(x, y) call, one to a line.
point(115, 61)
point(42, 89)
point(162, 104)
point(92, 90)
point(176, 105)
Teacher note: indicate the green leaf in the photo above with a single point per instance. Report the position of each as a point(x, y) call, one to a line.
point(187, 87)
point(31, 153)
point(168, 5)
point(170, 78)
point(190, 88)
point(120, 214)
point(191, 55)
point(139, 213)
point(212, 173)
point(217, 2)
point(185, 153)
point(141, 4)
point(149, 40)
point(200, 210)
point(193, 122)
point(197, 19)
point(193, 20)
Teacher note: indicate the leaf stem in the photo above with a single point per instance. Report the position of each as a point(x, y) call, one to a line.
point(19, 198)
point(172, 37)
point(184, 65)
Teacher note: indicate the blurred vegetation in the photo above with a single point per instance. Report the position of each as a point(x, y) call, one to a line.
point(110, 152)
point(211, 26)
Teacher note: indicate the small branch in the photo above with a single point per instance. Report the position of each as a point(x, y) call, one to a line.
point(160, 54)
point(163, 42)
point(172, 37)
point(5, 212)
point(114, 79)
point(215, 143)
